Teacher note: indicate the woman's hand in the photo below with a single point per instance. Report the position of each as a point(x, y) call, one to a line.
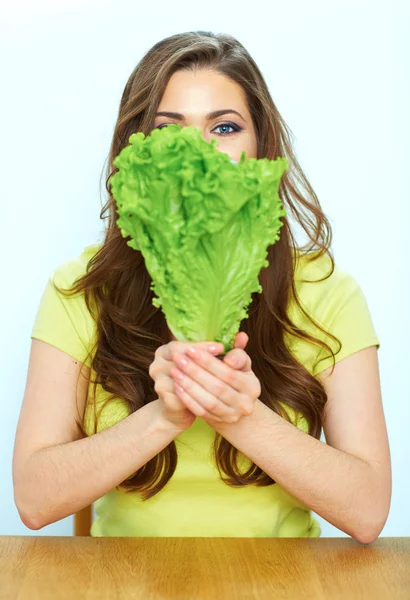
point(172, 409)
point(217, 391)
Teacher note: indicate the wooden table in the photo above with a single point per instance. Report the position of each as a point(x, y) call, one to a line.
point(38, 567)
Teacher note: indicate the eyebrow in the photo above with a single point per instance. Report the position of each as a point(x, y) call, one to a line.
point(209, 116)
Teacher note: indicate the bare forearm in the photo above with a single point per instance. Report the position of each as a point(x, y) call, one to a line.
point(340, 487)
point(60, 480)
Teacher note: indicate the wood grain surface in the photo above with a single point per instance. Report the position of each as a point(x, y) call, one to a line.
point(42, 568)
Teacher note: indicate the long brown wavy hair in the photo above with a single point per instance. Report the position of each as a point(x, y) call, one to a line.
point(116, 284)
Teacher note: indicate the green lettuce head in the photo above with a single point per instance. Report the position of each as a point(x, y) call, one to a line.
point(203, 225)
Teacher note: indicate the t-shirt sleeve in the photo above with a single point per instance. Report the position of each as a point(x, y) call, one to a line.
point(347, 316)
point(64, 322)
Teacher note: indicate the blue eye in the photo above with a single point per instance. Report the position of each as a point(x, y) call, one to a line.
point(231, 125)
point(227, 125)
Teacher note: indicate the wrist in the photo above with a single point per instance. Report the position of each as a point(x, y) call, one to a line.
point(161, 423)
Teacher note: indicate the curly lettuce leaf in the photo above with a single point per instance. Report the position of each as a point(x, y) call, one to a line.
point(203, 224)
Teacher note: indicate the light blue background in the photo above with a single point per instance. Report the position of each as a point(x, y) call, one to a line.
point(338, 73)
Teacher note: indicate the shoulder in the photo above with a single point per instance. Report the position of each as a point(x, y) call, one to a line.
point(336, 302)
point(319, 284)
point(74, 304)
point(329, 295)
point(318, 265)
point(69, 271)
point(64, 320)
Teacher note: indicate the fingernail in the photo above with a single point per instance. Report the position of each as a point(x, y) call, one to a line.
point(215, 347)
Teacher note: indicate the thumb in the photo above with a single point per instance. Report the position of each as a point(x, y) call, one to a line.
point(238, 359)
point(241, 339)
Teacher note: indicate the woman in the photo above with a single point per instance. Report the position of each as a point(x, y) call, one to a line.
point(232, 449)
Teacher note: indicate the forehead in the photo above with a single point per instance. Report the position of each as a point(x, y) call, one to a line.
point(203, 90)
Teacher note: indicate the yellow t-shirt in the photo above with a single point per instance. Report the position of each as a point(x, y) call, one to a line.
point(196, 502)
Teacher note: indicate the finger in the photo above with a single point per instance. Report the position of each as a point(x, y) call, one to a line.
point(163, 361)
point(162, 366)
point(172, 401)
point(241, 339)
point(204, 387)
point(163, 384)
point(209, 405)
point(238, 359)
point(167, 350)
point(194, 406)
point(210, 372)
